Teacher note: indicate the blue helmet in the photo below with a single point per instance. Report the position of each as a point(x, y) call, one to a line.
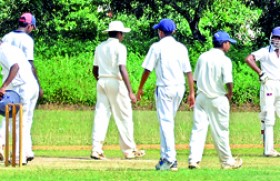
point(10, 97)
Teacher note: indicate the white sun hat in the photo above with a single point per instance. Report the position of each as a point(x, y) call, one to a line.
point(117, 26)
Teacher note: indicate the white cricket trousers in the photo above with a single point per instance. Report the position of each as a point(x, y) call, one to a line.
point(28, 95)
point(112, 97)
point(213, 112)
point(168, 100)
point(270, 104)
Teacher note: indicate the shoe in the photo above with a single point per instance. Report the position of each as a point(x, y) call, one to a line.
point(194, 165)
point(135, 154)
point(97, 156)
point(237, 164)
point(30, 158)
point(273, 153)
point(166, 165)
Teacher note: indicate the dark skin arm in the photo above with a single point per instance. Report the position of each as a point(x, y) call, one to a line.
point(36, 77)
point(191, 97)
point(95, 72)
point(250, 60)
point(12, 73)
point(144, 78)
point(229, 88)
point(125, 78)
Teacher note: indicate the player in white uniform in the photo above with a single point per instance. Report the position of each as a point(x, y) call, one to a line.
point(269, 74)
point(21, 39)
point(17, 76)
point(114, 94)
point(213, 72)
point(170, 60)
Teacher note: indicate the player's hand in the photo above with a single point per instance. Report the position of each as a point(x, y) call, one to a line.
point(2, 92)
point(132, 98)
point(139, 94)
point(263, 77)
point(191, 101)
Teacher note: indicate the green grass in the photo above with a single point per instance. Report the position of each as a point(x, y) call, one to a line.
point(63, 128)
point(75, 128)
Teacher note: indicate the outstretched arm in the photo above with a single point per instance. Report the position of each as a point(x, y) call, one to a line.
point(251, 61)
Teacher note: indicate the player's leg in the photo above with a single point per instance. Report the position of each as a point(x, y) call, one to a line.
point(199, 131)
point(101, 121)
point(219, 123)
point(267, 115)
point(34, 94)
point(2, 138)
point(122, 112)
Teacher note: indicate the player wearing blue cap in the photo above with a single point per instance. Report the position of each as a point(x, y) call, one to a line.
point(213, 72)
point(169, 58)
point(269, 76)
point(21, 39)
point(17, 76)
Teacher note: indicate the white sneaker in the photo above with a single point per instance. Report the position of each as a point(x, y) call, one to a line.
point(97, 156)
point(135, 154)
point(194, 165)
point(237, 164)
point(273, 153)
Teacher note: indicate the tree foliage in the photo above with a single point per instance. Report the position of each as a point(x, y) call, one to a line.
point(69, 30)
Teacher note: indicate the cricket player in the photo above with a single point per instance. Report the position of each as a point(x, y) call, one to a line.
point(269, 76)
point(169, 58)
point(213, 77)
point(114, 94)
point(17, 76)
point(21, 39)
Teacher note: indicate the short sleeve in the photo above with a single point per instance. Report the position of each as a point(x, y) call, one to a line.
point(150, 59)
point(186, 61)
point(227, 71)
point(260, 54)
point(122, 55)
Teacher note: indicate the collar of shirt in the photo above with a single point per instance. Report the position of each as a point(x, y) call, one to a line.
point(217, 50)
point(113, 39)
point(167, 38)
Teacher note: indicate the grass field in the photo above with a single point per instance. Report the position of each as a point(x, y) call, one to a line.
point(62, 141)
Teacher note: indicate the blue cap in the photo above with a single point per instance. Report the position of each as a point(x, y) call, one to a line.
point(165, 25)
point(10, 97)
point(276, 31)
point(222, 36)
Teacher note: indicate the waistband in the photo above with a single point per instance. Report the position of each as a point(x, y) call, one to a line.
point(110, 76)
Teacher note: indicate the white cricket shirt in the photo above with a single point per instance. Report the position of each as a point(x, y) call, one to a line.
point(108, 56)
point(21, 40)
point(9, 55)
point(170, 60)
point(213, 70)
point(269, 62)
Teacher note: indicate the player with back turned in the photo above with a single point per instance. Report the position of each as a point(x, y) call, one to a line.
point(21, 39)
point(213, 77)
